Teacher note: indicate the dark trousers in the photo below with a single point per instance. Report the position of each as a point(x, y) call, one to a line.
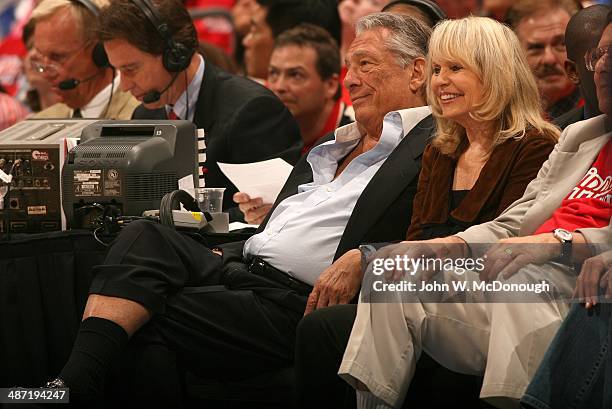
point(221, 321)
point(322, 337)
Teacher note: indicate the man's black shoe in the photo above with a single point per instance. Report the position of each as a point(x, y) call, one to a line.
point(76, 400)
point(56, 383)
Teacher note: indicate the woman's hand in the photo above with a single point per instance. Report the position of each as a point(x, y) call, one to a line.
point(508, 256)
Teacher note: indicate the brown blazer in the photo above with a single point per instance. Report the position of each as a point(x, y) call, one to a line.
point(502, 180)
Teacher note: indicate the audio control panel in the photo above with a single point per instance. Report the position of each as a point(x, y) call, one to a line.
point(32, 201)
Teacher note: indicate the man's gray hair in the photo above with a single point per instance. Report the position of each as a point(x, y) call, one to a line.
point(85, 19)
point(408, 37)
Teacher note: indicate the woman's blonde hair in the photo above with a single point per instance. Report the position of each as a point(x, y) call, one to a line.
point(510, 97)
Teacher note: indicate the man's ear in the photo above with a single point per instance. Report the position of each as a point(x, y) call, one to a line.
point(571, 71)
point(417, 78)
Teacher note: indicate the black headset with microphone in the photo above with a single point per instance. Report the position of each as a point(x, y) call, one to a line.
point(176, 56)
point(72, 83)
point(98, 55)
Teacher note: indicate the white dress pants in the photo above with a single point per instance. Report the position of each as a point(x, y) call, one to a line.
point(502, 341)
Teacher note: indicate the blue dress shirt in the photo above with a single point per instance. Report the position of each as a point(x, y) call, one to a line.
point(304, 230)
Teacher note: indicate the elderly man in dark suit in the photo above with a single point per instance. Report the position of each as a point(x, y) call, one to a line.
point(232, 311)
point(243, 121)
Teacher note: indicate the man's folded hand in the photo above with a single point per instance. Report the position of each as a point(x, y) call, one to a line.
point(338, 284)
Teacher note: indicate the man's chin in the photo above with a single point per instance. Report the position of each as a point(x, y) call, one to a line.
point(59, 94)
point(559, 81)
point(557, 91)
point(291, 107)
point(605, 104)
point(72, 104)
point(605, 108)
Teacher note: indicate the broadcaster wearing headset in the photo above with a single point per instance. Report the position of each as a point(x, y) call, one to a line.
point(152, 45)
point(68, 56)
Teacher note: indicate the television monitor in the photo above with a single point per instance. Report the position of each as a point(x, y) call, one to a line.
point(129, 165)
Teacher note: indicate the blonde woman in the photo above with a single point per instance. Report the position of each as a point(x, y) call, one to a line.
point(491, 141)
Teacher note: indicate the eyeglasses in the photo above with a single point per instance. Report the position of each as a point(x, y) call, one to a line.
point(52, 65)
point(38, 65)
point(594, 55)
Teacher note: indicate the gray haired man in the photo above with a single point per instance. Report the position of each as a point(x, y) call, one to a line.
point(356, 186)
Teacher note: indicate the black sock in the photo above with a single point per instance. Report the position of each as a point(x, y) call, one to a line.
point(98, 342)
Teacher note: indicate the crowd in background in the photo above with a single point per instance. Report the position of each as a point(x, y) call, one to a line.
point(222, 26)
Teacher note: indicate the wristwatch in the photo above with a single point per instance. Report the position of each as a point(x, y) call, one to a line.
point(565, 238)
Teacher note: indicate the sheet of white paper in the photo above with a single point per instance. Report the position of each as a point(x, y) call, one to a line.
point(186, 184)
point(238, 225)
point(258, 179)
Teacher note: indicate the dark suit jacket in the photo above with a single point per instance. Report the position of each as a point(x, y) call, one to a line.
point(384, 209)
point(503, 180)
point(570, 117)
point(344, 120)
point(243, 121)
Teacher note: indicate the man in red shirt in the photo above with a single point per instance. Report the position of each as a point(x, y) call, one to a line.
point(304, 73)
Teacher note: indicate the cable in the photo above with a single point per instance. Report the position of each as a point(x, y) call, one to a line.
point(187, 95)
point(171, 201)
point(7, 212)
point(95, 235)
point(8, 209)
point(83, 209)
point(87, 220)
point(111, 220)
point(110, 98)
